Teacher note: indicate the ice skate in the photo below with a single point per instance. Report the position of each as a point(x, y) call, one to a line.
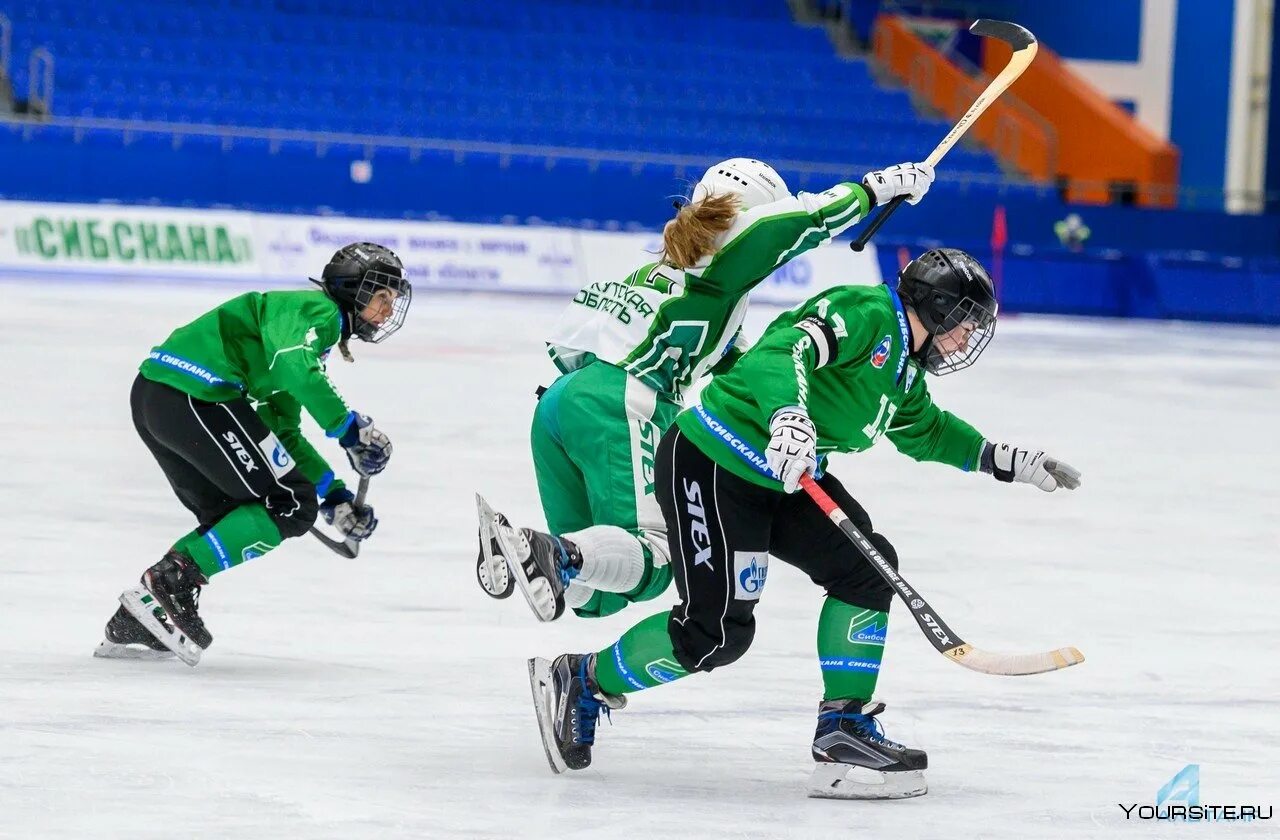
point(855, 760)
point(568, 703)
point(166, 604)
point(491, 566)
point(126, 638)
point(541, 564)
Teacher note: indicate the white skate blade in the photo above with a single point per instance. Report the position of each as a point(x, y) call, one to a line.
point(540, 685)
point(142, 606)
point(515, 550)
point(491, 572)
point(112, 650)
point(848, 781)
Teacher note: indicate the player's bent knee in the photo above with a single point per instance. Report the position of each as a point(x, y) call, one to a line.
point(295, 519)
point(862, 586)
point(702, 650)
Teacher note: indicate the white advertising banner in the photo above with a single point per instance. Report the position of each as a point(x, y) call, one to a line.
point(140, 241)
point(105, 240)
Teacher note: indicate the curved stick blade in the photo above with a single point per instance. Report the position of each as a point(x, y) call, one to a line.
point(1018, 37)
point(1017, 664)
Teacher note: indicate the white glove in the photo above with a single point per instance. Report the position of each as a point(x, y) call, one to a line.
point(910, 179)
point(1008, 463)
point(792, 442)
point(368, 448)
point(339, 510)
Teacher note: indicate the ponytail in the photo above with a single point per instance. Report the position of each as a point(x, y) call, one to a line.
point(692, 234)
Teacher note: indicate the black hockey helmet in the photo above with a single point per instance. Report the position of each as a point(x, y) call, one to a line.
point(946, 288)
point(362, 273)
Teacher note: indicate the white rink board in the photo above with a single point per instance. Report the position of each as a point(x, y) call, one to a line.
point(110, 242)
point(386, 697)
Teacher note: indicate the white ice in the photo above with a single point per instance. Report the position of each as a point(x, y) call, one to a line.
point(386, 697)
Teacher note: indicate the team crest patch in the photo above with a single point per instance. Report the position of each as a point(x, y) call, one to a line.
point(881, 354)
point(665, 670)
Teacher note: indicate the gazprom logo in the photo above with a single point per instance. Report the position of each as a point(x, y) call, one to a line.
point(750, 569)
point(752, 578)
point(279, 457)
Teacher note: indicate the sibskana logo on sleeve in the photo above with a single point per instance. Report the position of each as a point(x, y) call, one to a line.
point(254, 551)
point(881, 354)
point(665, 670)
point(750, 569)
point(867, 628)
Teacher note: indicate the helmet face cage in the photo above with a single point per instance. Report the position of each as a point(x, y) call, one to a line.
point(370, 285)
point(967, 311)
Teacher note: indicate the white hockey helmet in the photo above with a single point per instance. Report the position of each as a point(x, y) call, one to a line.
point(754, 181)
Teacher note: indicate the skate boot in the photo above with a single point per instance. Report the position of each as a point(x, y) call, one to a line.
point(126, 638)
point(541, 564)
point(166, 604)
point(568, 703)
point(491, 566)
point(855, 760)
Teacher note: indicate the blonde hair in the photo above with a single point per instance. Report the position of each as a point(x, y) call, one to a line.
point(692, 234)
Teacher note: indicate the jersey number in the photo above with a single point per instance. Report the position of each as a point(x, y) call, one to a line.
point(837, 323)
point(880, 425)
point(673, 353)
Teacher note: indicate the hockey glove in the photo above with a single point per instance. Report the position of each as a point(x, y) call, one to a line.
point(792, 446)
point(339, 510)
point(368, 449)
point(1008, 463)
point(910, 179)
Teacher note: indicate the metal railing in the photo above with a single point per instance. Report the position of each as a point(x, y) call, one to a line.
point(40, 83)
point(685, 165)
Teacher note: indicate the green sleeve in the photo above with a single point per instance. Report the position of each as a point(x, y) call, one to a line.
point(283, 415)
point(297, 332)
point(767, 236)
point(924, 432)
point(779, 366)
point(735, 350)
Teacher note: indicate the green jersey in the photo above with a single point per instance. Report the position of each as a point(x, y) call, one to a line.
point(844, 356)
point(269, 348)
point(668, 326)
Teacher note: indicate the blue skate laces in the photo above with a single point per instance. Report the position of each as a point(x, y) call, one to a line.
point(589, 707)
point(866, 725)
point(567, 572)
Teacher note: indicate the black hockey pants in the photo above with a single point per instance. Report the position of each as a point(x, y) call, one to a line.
point(722, 530)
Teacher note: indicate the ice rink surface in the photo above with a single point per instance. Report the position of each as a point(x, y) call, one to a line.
point(386, 696)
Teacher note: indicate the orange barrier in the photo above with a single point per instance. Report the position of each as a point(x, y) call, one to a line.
point(1103, 150)
point(1018, 136)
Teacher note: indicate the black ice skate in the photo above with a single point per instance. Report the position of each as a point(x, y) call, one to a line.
point(568, 703)
point(166, 604)
point(855, 760)
point(541, 564)
point(491, 566)
point(126, 638)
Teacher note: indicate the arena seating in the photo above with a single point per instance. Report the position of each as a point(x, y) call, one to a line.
point(631, 77)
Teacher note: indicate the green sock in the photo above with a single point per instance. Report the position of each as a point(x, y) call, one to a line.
point(245, 533)
point(850, 646)
point(641, 659)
